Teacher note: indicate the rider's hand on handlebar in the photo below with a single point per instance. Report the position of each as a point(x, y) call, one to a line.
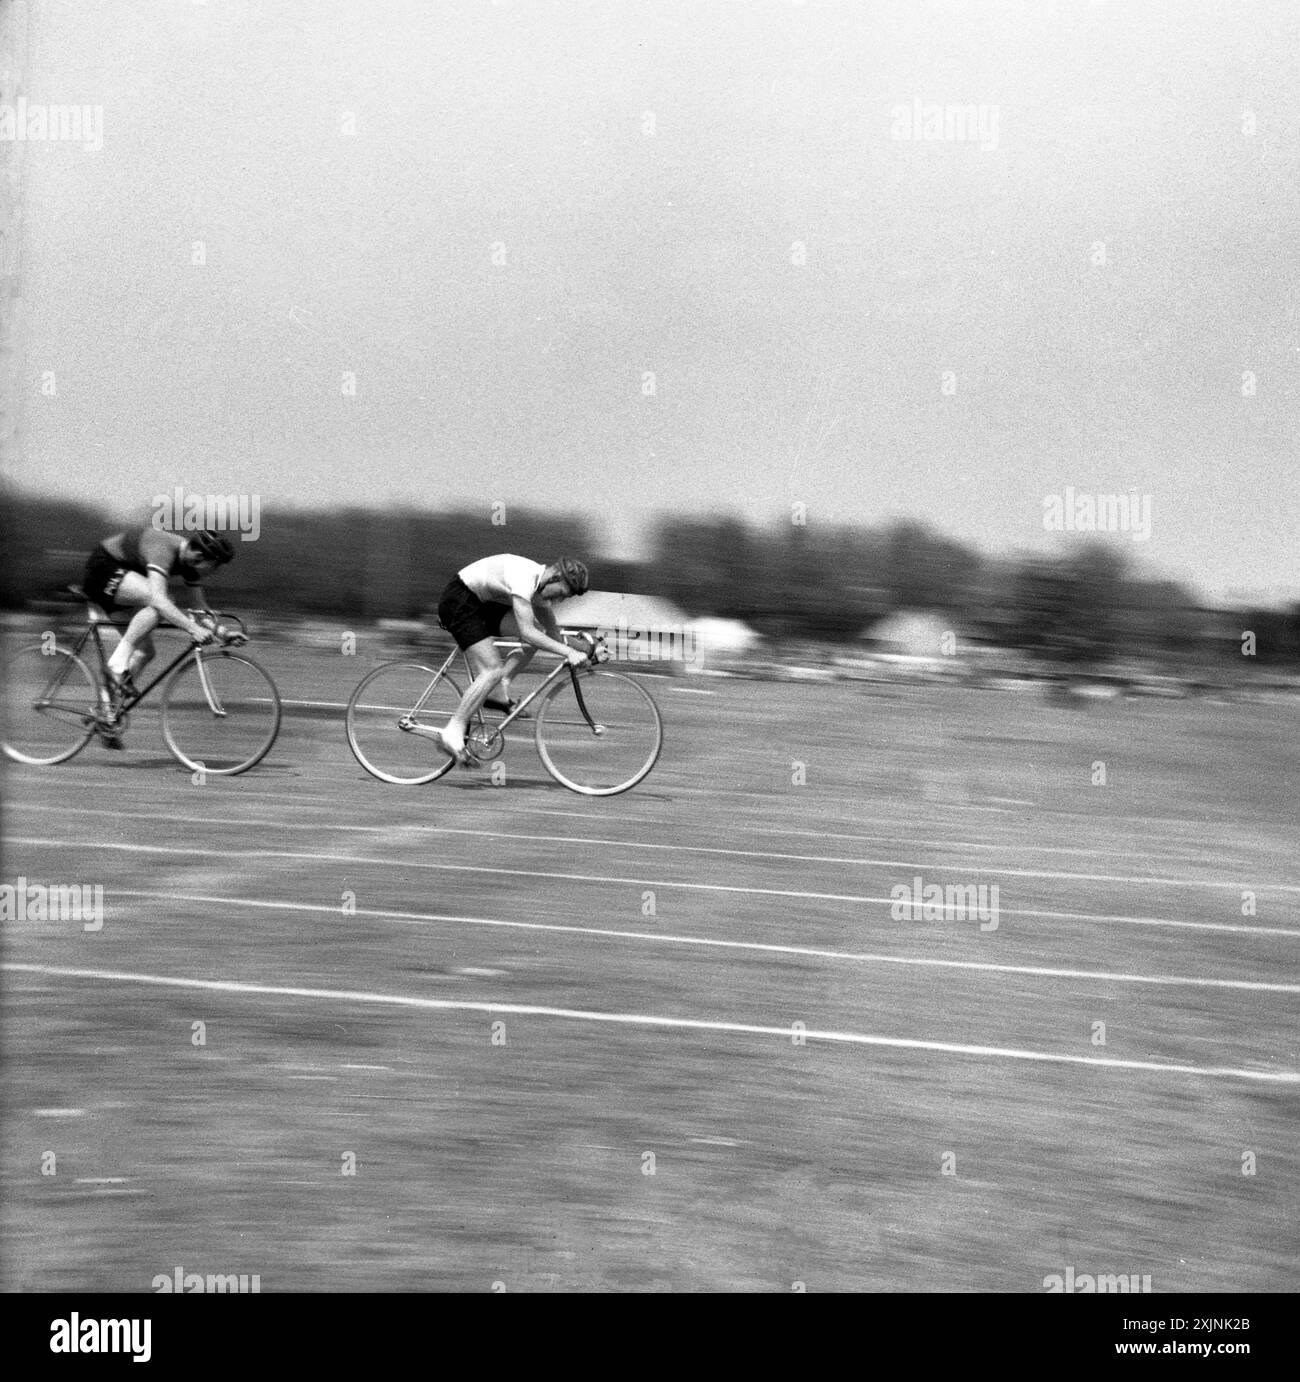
point(577, 658)
point(203, 635)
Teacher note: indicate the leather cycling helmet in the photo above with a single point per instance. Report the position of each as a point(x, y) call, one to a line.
point(214, 545)
point(574, 574)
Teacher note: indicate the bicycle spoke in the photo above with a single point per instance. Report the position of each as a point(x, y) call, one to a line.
point(389, 718)
point(221, 713)
point(615, 755)
point(50, 701)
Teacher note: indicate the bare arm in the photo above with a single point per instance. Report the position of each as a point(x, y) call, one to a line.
point(531, 623)
point(163, 603)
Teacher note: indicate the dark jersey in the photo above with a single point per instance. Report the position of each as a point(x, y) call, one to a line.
point(151, 549)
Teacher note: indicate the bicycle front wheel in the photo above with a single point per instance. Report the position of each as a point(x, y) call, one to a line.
point(618, 752)
point(50, 700)
point(389, 717)
point(220, 713)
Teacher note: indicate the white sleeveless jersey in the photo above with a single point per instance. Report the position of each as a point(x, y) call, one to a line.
point(501, 578)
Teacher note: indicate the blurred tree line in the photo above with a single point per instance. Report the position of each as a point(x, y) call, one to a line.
point(340, 563)
point(789, 582)
point(1081, 609)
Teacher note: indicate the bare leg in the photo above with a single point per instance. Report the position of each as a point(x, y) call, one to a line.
point(515, 664)
point(486, 664)
point(142, 624)
point(521, 656)
point(142, 657)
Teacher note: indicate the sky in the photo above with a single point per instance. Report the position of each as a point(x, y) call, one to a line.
point(697, 256)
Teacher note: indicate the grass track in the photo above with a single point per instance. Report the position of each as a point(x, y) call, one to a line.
point(774, 1162)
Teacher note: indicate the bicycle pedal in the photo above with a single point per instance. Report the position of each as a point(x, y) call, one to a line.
point(120, 690)
point(110, 732)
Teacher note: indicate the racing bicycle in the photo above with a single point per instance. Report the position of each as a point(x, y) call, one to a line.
point(597, 732)
point(220, 709)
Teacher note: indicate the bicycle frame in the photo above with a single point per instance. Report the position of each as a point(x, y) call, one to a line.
point(407, 722)
point(93, 632)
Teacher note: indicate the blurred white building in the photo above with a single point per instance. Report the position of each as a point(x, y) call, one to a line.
point(916, 640)
point(636, 628)
point(721, 641)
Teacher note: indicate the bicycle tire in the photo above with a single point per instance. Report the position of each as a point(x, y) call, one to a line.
point(381, 700)
point(606, 763)
point(234, 741)
point(44, 735)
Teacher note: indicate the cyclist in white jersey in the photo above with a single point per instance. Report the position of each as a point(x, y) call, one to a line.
point(508, 597)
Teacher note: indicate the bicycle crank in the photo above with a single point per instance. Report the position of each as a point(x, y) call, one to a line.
point(485, 743)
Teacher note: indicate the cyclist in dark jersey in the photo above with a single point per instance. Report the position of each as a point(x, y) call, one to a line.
point(131, 570)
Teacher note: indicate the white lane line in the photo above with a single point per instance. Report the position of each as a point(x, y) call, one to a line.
point(798, 858)
point(237, 788)
point(330, 803)
point(356, 773)
point(912, 865)
point(234, 821)
point(353, 772)
point(348, 770)
point(646, 1020)
point(390, 830)
point(864, 839)
point(243, 855)
point(765, 947)
point(237, 821)
point(771, 793)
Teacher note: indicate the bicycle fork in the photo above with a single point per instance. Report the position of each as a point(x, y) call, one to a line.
point(214, 702)
point(582, 704)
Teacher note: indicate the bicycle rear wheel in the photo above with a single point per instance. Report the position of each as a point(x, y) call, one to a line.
point(386, 715)
point(614, 756)
point(220, 713)
point(50, 700)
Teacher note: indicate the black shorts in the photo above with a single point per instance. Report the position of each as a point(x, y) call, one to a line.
point(468, 619)
point(104, 574)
